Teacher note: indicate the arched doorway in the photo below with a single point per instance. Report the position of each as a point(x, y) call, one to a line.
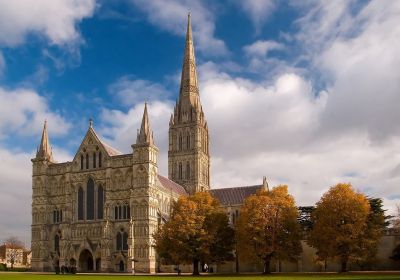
point(121, 266)
point(86, 261)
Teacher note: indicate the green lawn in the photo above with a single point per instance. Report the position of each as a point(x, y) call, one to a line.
point(294, 276)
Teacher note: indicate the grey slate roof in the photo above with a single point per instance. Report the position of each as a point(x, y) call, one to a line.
point(234, 196)
point(171, 185)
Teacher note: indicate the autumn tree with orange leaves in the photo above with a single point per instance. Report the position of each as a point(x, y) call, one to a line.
point(340, 221)
point(197, 231)
point(267, 227)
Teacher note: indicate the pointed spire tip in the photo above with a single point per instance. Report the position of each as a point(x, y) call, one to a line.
point(44, 150)
point(145, 134)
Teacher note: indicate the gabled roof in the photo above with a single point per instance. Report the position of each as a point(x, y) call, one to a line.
point(110, 150)
point(171, 185)
point(234, 196)
point(107, 148)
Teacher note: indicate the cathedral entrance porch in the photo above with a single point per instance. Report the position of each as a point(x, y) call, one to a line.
point(86, 261)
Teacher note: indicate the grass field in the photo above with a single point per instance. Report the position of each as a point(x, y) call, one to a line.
point(294, 276)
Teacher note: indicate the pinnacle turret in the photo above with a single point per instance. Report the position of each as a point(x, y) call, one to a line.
point(145, 134)
point(44, 150)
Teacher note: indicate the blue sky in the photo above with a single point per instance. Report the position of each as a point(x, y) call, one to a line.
point(304, 93)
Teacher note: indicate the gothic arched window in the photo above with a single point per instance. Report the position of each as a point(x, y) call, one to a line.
point(57, 216)
point(188, 170)
point(125, 241)
point(180, 141)
point(81, 162)
point(122, 240)
point(90, 200)
point(80, 204)
point(175, 171)
point(116, 213)
point(180, 171)
point(100, 202)
point(119, 241)
point(94, 160)
point(57, 243)
point(87, 161)
point(100, 159)
point(188, 141)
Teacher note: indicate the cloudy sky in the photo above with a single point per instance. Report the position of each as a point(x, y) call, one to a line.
point(307, 94)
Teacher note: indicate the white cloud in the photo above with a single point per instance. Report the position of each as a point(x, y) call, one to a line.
point(357, 52)
point(54, 19)
point(23, 111)
point(257, 11)
point(130, 91)
point(172, 16)
point(262, 47)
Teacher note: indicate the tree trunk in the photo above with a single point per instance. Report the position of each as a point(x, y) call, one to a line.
point(196, 267)
point(267, 262)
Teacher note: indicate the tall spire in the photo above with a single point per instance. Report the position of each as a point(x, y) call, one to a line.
point(189, 90)
point(145, 134)
point(188, 152)
point(44, 150)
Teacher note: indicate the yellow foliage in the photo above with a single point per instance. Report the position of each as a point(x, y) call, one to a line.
point(267, 227)
point(340, 219)
point(198, 230)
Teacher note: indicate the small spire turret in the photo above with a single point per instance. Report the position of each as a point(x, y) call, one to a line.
point(145, 134)
point(44, 150)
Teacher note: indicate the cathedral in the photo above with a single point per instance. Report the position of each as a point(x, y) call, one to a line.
point(99, 211)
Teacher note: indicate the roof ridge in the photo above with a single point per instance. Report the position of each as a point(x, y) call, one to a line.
point(173, 186)
point(239, 187)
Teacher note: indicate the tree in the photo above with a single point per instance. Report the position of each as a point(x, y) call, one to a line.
point(396, 220)
point(339, 222)
point(377, 223)
point(197, 231)
point(267, 227)
point(14, 248)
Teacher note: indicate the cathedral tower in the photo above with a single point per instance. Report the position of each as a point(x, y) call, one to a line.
point(144, 201)
point(39, 241)
point(188, 154)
